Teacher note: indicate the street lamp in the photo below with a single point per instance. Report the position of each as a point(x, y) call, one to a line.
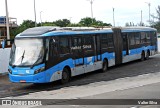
point(91, 1)
point(141, 23)
point(35, 13)
point(149, 5)
point(113, 18)
point(7, 21)
point(41, 17)
point(70, 18)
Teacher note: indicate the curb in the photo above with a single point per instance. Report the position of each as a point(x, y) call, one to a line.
point(4, 73)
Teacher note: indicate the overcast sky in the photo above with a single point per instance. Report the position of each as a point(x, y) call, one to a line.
point(74, 10)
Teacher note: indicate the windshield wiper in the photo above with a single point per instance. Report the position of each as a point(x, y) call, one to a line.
point(36, 61)
point(22, 56)
point(19, 59)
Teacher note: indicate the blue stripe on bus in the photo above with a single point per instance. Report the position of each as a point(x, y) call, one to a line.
point(108, 56)
point(37, 78)
point(25, 70)
point(27, 74)
point(75, 32)
point(139, 50)
point(58, 67)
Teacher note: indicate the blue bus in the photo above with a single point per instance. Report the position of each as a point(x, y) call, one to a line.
point(46, 54)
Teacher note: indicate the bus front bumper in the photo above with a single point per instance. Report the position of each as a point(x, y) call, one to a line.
point(36, 78)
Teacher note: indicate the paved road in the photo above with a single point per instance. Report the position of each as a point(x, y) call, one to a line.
point(150, 91)
point(126, 70)
point(145, 93)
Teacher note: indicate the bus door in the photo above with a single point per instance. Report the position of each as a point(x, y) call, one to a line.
point(89, 52)
point(78, 56)
point(97, 52)
point(118, 45)
point(125, 44)
point(52, 56)
point(97, 48)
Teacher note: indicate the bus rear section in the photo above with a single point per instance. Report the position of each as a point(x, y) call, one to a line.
point(138, 43)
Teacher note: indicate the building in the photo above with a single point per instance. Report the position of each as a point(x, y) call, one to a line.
point(3, 28)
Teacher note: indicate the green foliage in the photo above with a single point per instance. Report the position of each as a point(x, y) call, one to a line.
point(157, 26)
point(48, 24)
point(62, 22)
point(25, 25)
point(92, 22)
point(157, 23)
point(87, 21)
point(74, 25)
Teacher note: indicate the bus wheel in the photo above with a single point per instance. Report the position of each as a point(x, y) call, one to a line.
point(147, 55)
point(65, 76)
point(142, 56)
point(104, 66)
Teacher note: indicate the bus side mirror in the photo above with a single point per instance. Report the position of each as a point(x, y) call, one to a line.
point(3, 43)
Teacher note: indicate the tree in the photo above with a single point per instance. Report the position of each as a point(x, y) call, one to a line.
point(25, 25)
point(62, 23)
point(87, 21)
point(127, 24)
point(47, 24)
point(107, 24)
point(156, 24)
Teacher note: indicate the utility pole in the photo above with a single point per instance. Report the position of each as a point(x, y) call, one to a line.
point(35, 13)
point(113, 18)
point(141, 18)
point(41, 17)
point(91, 2)
point(149, 5)
point(7, 21)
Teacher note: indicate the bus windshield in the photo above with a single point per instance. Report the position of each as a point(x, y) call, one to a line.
point(27, 52)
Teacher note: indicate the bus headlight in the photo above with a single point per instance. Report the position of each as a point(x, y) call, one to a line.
point(39, 70)
point(9, 71)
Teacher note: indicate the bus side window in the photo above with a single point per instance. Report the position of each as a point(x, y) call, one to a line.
point(64, 45)
point(153, 37)
point(47, 48)
point(88, 45)
point(143, 37)
point(53, 48)
point(110, 41)
point(77, 47)
point(124, 36)
point(137, 38)
point(148, 38)
point(132, 39)
point(104, 42)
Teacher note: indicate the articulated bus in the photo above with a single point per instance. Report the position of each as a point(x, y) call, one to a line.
point(46, 54)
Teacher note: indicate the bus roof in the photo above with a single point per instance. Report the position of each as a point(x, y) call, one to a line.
point(137, 29)
point(54, 31)
point(59, 31)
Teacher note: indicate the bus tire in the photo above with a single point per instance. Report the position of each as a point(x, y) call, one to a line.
point(147, 55)
point(142, 56)
point(65, 76)
point(104, 66)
